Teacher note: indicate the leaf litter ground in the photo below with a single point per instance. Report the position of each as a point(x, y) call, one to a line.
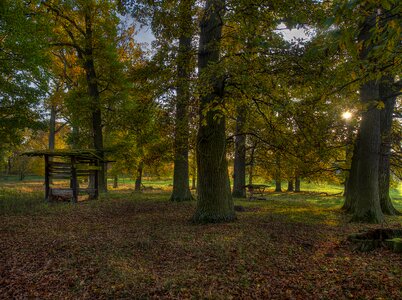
point(142, 246)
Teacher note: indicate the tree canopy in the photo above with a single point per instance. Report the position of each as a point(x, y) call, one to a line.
point(220, 93)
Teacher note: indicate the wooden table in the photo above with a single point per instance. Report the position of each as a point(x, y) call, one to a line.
point(256, 191)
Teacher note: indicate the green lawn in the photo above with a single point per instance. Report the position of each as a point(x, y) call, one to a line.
point(140, 245)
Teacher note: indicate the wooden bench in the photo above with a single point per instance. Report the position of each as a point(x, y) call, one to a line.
point(66, 194)
point(256, 191)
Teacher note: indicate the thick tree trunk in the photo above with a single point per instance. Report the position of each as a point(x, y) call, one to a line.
point(290, 185)
point(297, 184)
point(215, 203)
point(93, 92)
point(239, 182)
point(138, 179)
point(387, 92)
point(181, 188)
point(368, 208)
point(278, 185)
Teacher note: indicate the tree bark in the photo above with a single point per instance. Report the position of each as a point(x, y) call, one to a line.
point(387, 92)
point(278, 185)
point(214, 203)
point(93, 92)
point(181, 188)
point(368, 208)
point(350, 192)
point(239, 182)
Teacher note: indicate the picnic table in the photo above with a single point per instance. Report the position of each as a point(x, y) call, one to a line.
point(256, 191)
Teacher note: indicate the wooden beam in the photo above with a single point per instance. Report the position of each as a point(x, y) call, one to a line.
point(60, 176)
point(96, 194)
point(74, 185)
point(47, 180)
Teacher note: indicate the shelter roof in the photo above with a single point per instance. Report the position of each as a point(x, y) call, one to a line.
point(91, 154)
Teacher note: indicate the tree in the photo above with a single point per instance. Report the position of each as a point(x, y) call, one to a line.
point(278, 177)
point(371, 41)
point(214, 203)
point(239, 173)
point(23, 70)
point(173, 27)
point(181, 188)
point(388, 94)
point(90, 28)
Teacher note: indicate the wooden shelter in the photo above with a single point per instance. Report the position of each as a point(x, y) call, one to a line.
point(70, 165)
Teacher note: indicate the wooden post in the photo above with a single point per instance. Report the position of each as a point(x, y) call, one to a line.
point(74, 179)
point(96, 179)
point(47, 179)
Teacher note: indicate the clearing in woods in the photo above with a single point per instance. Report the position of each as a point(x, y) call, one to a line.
point(143, 246)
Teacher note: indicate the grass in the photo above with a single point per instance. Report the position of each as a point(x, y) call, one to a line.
point(140, 245)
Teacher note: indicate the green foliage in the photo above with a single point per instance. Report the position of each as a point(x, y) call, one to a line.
point(383, 44)
point(294, 92)
point(22, 70)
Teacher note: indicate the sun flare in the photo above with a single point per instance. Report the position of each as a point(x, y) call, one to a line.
point(347, 115)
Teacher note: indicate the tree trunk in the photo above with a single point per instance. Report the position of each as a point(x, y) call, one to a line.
point(52, 131)
point(368, 207)
point(52, 128)
point(9, 165)
point(349, 153)
point(239, 182)
point(278, 185)
point(251, 167)
point(290, 185)
point(387, 92)
point(215, 203)
point(181, 188)
point(278, 180)
point(138, 179)
point(75, 132)
point(350, 192)
point(93, 92)
point(297, 184)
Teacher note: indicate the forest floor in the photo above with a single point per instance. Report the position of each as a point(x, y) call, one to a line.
point(131, 245)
